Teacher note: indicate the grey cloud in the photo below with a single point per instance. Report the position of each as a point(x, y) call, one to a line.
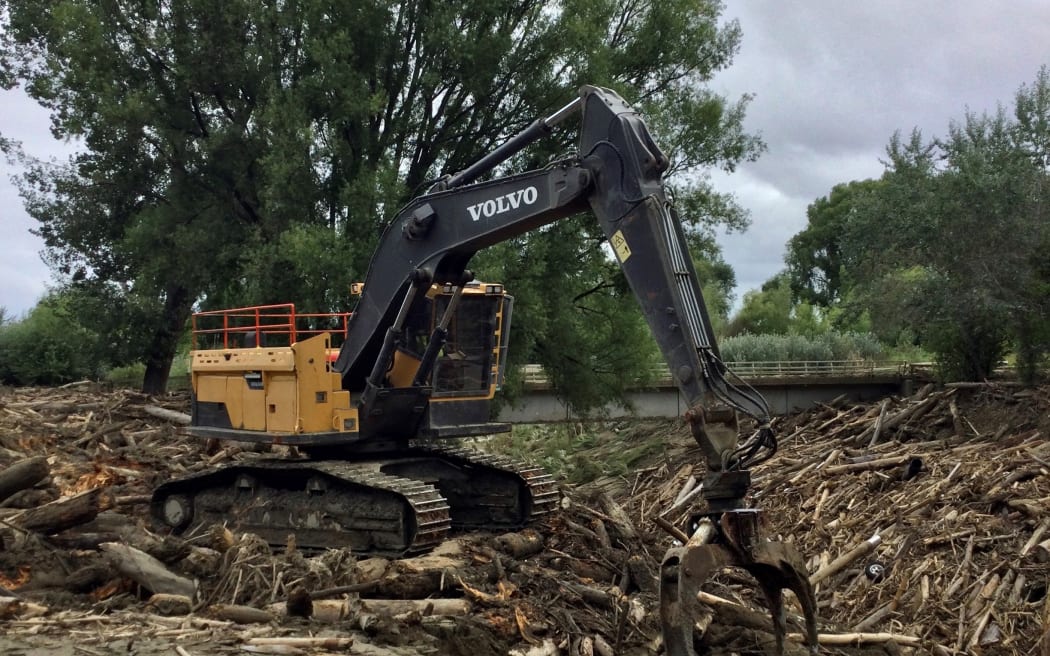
point(832, 81)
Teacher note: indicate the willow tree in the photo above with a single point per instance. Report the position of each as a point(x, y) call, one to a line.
point(251, 150)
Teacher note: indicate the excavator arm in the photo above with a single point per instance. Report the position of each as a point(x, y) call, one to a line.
point(618, 176)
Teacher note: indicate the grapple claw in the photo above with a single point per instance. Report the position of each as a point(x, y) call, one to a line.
point(683, 572)
point(734, 542)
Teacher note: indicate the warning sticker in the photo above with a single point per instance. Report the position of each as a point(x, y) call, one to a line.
point(620, 247)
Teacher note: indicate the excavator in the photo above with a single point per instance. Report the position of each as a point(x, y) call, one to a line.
point(376, 420)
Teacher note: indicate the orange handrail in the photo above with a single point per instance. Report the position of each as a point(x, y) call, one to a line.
point(280, 321)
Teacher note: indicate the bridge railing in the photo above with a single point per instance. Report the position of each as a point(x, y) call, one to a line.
point(818, 368)
point(535, 375)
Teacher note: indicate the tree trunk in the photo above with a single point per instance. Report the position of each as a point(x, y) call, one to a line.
point(67, 512)
point(170, 325)
point(23, 474)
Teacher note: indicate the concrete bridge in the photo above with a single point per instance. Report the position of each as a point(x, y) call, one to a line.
point(786, 386)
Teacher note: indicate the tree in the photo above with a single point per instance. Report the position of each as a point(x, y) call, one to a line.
point(765, 311)
point(952, 241)
point(1032, 136)
point(48, 346)
point(814, 255)
point(231, 147)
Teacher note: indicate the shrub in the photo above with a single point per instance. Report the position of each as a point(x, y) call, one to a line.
point(46, 348)
point(831, 345)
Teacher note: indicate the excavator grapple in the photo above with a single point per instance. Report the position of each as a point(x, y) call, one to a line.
point(731, 539)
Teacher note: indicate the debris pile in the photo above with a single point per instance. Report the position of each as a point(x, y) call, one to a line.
point(925, 518)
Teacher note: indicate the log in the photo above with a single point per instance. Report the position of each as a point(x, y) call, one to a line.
point(313, 643)
point(520, 545)
point(22, 475)
point(845, 559)
point(457, 607)
point(671, 529)
point(169, 604)
point(337, 610)
point(869, 465)
point(14, 608)
point(173, 416)
point(240, 614)
point(877, 429)
point(860, 639)
point(1042, 552)
point(147, 571)
point(66, 512)
point(88, 578)
point(620, 519)
point(593, 596)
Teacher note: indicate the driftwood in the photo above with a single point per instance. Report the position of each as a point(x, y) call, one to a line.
point(311, 643)
point(147, 571)
point(170, 604)
point(962, 539)
point(240, 614)
point(173, 416)
point(14, 608)
point(337, 610)
point(88, 578)
point(23, 474)
point(520, 545)
point(421, 606)
point(620, 519)
point(66, 512)
point(845, 559)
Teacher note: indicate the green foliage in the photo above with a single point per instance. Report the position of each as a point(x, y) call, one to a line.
point(572, 314)
point(47, 347)
point(951, 245)
point(831, 345)
point(814, 255)
point(765, 311)
point(772, 311)
point(581, 453)
point(947, 250)
point(241, 152)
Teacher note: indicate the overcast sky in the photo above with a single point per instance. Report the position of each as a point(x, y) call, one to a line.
point(832, 81)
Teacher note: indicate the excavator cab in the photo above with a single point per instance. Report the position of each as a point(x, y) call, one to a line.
point(472, 360)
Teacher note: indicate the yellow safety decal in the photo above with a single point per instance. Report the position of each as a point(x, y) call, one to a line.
point(619, 244)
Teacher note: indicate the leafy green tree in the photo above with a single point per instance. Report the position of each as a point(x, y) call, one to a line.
point(953, 242)
point(1032, 136)
point(248, 152)
point(48, 346)
point(772, 310)
point(814, 255)
point(765, 311)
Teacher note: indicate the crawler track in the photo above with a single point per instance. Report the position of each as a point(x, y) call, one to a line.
point(394, 506)
point(325, 504)
point(538, 495)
